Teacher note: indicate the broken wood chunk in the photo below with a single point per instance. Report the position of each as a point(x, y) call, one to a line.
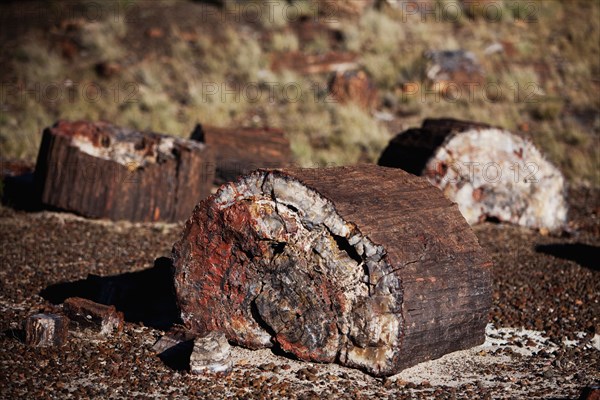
point(211, 354)
point(99, 170)
point(177, 336)
point(42, 330)
point(491, 173)
point(242, 150)
point(367, 266)
point(88, 314)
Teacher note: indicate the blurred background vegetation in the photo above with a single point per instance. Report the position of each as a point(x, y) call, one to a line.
point(166, 65)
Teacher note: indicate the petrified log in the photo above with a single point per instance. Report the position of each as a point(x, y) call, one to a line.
point(46, 330)
point(367, 266)
point(241, 150)
point(102, 171)
point(491, 173)
point(87, 314)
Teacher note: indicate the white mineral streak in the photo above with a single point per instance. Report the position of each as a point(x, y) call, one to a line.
point(287, 211)
point(493, 173)
point(123, 151)
point(46, 325)
point(211, 354)
point(109, 324)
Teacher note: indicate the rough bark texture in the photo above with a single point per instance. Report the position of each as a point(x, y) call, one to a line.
point(241, 150)
point(43, 330)
point(488, 171)
point(102, 171)
point(367, 266)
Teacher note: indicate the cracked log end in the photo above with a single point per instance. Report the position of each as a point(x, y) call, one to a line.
point(103, 171)
point(490, 172)
point(347, 265)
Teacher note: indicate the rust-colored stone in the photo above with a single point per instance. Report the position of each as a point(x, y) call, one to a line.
point(354, 87)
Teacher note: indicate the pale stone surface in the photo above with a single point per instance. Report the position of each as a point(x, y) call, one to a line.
point(211, 354)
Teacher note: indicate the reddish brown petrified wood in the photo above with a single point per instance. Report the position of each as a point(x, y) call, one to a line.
point(242, 150)
point(367, 266)
point(103, 171)
point(86, 313)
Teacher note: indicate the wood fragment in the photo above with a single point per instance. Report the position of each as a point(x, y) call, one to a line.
point(42, 330)
point(89, 314)
point(367, 266)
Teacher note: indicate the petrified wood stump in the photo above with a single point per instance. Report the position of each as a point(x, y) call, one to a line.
point(242, 150)
point(367, 266)
point(490, 172)
point(102, 171)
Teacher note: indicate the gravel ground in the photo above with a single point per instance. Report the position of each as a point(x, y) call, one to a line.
point(542, 341)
